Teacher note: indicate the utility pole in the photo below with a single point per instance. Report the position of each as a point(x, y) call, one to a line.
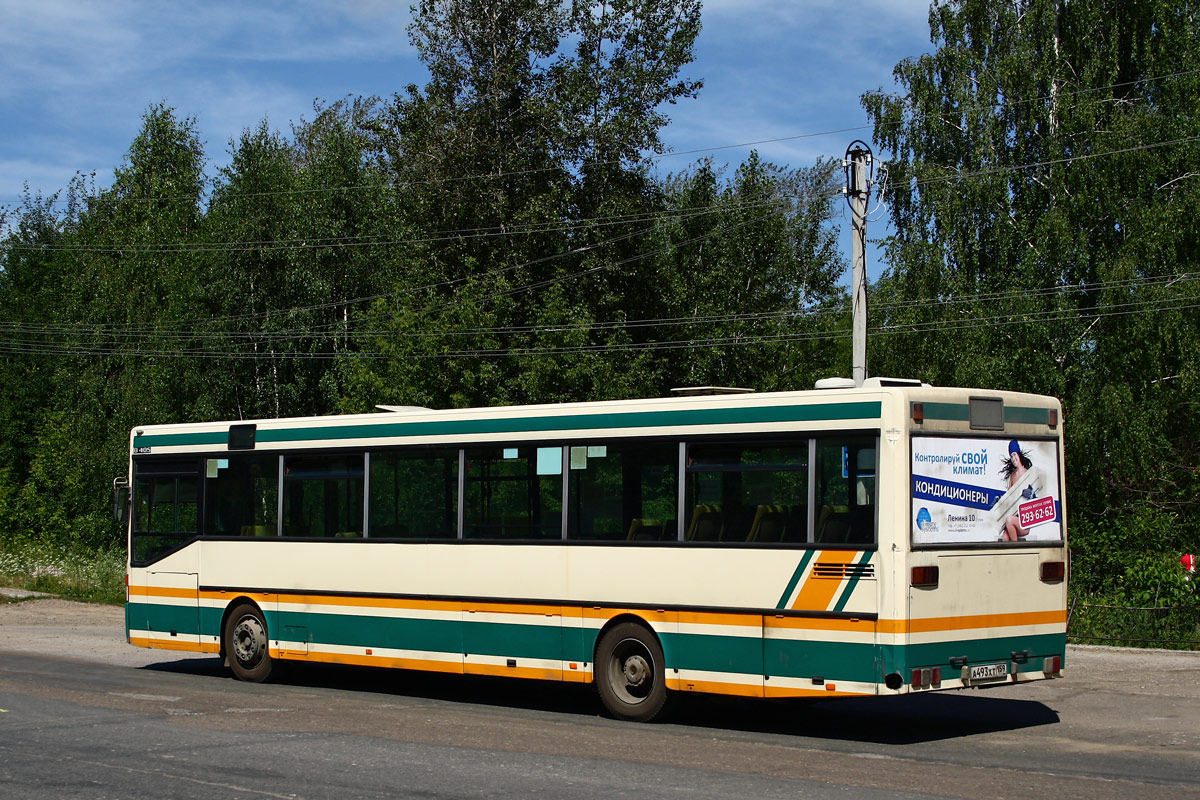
point(859, 169)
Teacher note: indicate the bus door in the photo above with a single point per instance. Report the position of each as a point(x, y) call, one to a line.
point(173, 612)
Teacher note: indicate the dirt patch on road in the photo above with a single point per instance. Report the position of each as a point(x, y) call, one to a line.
point(74, 630)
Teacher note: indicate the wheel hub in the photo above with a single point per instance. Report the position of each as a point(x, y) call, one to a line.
point(249, 638)
point(636, 670)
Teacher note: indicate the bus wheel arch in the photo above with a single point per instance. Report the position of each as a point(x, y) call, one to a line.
point(630, 669)
point(245, 642)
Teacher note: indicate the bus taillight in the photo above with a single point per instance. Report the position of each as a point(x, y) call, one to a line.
point(1053, 571)
point(925, 577)
point(927, 678)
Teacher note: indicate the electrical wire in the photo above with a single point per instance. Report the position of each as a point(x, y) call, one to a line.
point(462, 234)
point(1157, 305)
point(840, 308)
point(660, 156)
point(957, 176)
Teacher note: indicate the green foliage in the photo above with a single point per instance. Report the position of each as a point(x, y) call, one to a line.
point(79, 573)
point(495, 236)
point(1046, 240)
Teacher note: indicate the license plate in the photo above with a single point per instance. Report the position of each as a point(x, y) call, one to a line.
point(985, 672)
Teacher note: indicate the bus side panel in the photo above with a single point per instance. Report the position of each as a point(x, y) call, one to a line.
point(807, 657)
point(715, 652)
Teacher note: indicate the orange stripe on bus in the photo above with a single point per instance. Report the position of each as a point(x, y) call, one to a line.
point(649, 614)
point(162, 591)
point(705, 618)
point(539, 673)
point(165, 644)
point(370, 661)
point(817, 592)
point(786, 691)
point(365, 602)
point(931, 624)
point(820, 624)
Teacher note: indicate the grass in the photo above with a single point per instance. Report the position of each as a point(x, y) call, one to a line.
point(77, 574)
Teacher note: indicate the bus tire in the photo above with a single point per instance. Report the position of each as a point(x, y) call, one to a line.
point(246, 645)
point(629, 672)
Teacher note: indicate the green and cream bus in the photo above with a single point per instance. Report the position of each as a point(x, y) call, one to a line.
point(880, 540)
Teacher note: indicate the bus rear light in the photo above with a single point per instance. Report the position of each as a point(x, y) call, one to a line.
point(1052, 666)
point(1053, 570)
point(1052, 418)
point(925, 577)
point(918, 411)
point(926, 678)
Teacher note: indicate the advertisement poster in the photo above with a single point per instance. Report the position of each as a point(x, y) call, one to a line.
point(974, 490)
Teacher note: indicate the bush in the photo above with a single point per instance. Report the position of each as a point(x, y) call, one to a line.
point(96, 576)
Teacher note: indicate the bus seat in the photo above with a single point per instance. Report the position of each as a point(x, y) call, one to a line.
point(641, 530)
point(833, 524)
point(258, 530)
point(770, 524)
point(706, 524)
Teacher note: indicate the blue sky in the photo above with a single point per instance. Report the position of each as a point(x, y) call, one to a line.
point(78, 75)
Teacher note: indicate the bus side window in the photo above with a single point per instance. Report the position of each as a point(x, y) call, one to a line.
point(323, 496)
point(624, 492)
point(845, 491)
point(241, 496)
point(753, 493)
point(414, 494)
point(513, 493)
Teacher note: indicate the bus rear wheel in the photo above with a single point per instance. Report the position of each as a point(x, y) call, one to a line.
point(246, 645)
point(629, 673)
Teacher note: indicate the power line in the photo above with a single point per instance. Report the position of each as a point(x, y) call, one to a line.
point(1159, 305)
point(652, 156)
point(841, 308)
point(555, 226)
point(1050, 162)
point(463, 234)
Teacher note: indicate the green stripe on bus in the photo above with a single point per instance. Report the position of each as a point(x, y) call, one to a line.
point(834, 661)
point(713, 652)
point(163, 618)
point(353, 630)
point(961, 412)
point(804, 657)
point(1027, 416)
point(850, 584)
point(566, 423)
point(795, 579)
point(983, 651)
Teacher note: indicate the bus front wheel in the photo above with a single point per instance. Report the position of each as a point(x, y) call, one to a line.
point(246, 646)
point(629, 673)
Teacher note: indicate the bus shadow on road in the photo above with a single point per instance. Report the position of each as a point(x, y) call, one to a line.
point(900, 720)
point(903, 720)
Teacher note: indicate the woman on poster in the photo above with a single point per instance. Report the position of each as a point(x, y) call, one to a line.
point(1016, 466)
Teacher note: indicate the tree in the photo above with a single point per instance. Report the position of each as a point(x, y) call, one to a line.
point(1045, 233)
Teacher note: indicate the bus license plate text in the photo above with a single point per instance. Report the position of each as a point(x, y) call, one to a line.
point(983, 672)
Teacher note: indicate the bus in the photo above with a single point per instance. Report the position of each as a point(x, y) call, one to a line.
point(848, 541)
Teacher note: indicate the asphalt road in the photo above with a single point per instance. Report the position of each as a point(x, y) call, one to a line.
point(123, 722)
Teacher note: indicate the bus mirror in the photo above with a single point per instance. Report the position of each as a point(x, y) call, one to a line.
point(120, 501)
